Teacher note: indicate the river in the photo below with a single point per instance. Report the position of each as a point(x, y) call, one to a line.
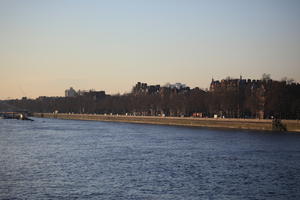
point(69, 159)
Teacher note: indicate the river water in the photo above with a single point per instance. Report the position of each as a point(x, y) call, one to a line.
point(68, 159)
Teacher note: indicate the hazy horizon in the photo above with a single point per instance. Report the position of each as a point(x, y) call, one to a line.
point(48, 46)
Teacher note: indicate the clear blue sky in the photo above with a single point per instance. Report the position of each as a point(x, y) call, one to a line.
point(48, 46)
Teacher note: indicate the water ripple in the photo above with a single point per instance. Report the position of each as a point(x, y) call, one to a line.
point(65, 159)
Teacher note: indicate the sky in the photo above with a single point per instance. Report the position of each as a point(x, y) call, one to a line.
point(49, 46)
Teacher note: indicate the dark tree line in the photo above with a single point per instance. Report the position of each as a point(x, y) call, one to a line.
point(231, 98)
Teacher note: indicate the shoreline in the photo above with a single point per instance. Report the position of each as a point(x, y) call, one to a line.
point(228, 123)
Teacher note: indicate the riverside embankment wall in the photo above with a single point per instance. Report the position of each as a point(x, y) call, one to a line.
point(251, 124)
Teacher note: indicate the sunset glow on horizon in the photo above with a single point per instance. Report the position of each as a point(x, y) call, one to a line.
point(48, 46)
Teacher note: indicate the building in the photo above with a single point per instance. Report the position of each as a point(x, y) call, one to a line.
point(95, 95)
point(143, 88)
point(177, 86)
point(240, 96)
point(70, 92)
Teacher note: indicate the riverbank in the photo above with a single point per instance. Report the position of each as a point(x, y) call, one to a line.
point(249, 124)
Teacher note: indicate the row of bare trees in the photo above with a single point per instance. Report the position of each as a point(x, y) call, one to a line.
point(270, 98)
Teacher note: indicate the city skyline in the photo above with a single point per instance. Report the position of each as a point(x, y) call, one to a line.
point(48, 46)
